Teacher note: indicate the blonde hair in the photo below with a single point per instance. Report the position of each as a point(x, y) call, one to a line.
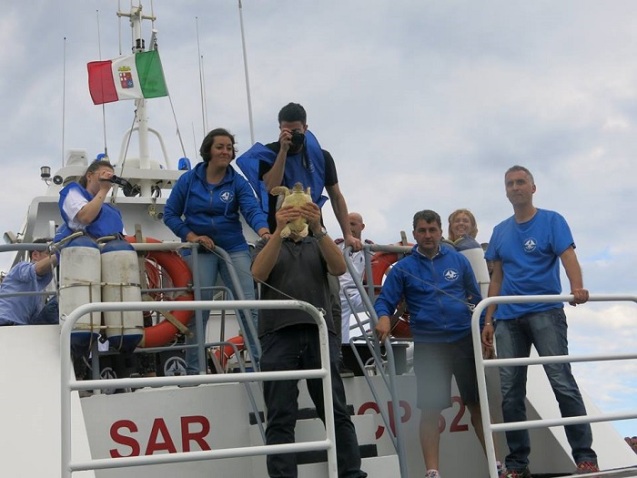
point(473, 232)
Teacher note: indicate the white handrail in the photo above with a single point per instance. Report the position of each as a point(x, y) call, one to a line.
point(482, 364)
point(69, 383)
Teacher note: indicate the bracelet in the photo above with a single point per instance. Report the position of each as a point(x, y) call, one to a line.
point(320, 235)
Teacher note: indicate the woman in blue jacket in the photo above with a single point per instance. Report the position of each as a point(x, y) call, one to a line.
point(203, 208)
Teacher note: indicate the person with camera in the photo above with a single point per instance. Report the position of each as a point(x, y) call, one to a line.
point(83, 204)
point(296, 157)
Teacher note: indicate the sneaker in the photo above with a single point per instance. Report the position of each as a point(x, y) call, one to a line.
point(515, 473)
point(432, 474)
point(584, 467)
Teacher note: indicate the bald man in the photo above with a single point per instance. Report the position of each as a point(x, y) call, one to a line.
point(347, 286)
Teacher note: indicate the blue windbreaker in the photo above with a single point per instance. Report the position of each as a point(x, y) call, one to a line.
point(213, 210)
point(437, 292)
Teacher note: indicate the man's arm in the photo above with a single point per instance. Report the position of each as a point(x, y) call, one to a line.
point(574, 274)
point(91, 209)
point(494, 290)
point(43, 266)
point(339, 206)
point(331, 252)
point(274, 177)
point(265, 260)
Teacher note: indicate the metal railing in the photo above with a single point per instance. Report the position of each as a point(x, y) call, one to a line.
point(69, 384)
point(482, 364)
point(388, 374)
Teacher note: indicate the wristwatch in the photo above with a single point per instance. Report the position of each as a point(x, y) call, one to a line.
point(320, 235)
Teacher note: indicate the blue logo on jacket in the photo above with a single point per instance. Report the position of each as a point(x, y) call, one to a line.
point(226, 196)
point(530, 244)
point(451, 275)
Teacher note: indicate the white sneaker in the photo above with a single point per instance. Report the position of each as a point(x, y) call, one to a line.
point(432, 474)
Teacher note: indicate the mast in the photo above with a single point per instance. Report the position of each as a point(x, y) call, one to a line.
point(141, 117)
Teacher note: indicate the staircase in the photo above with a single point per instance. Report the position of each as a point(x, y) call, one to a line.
point(313, 464)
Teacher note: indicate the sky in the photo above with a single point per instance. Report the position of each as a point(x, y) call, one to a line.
point(423, 105)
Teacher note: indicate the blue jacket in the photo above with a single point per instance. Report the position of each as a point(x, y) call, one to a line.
point(437, 292)
point(107, 223)
point(306, 167)
point(213, 210)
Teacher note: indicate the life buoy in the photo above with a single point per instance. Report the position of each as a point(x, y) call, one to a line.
point(181, 276)
point(226, 351)
point(381, 263)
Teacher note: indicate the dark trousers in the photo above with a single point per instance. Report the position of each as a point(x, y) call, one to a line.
point(297, 348)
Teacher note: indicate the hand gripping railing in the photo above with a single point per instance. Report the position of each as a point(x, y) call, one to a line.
point(482, 364)
point(69, 383)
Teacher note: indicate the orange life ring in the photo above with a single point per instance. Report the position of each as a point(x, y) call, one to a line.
point(181, 276)
point(381, 263)
point(225, 351)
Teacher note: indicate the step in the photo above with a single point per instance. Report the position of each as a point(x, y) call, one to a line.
point(302, 414)
point(375, 467)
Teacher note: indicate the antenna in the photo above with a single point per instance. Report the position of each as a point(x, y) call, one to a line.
point(245, 67)
point(201, 80)
point(63, 96)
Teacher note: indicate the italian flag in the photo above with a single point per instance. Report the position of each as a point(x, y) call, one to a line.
point(127, 78)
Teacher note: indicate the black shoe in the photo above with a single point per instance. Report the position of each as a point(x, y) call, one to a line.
point(345, 372)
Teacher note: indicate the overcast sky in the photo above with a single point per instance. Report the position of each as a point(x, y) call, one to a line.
point(423, 105)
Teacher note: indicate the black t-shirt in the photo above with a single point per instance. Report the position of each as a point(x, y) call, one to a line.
point(331, 178)
point(300, 273)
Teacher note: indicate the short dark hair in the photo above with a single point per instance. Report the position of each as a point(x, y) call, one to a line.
point(39, 240)
point(292, 112)
point(94, 166)
point(427, 215)
point(207, 142)
point(515, 168)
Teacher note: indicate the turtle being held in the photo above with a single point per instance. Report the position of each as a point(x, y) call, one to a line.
point(295, 197)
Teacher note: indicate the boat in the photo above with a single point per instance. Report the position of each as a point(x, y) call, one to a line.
point(212, 424)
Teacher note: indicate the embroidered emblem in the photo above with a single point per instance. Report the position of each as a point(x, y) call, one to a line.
point(530, 244)
point(450, 275)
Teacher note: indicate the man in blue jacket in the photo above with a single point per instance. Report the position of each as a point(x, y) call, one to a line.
point(440, 290)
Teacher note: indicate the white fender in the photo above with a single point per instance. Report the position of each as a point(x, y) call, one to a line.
point(121, 283)
point(79, 285)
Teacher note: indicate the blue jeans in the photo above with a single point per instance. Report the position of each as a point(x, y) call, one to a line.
point(49, 314)
point(297, 348)
point(210, 265)
point(547, 332)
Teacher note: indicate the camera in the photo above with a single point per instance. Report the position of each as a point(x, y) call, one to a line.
point(298, 139)
point(128, 189)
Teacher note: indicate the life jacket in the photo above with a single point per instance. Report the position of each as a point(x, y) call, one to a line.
point(306, 167)
point(108, 221)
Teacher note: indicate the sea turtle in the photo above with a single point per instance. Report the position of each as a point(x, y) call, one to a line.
point(295, 197)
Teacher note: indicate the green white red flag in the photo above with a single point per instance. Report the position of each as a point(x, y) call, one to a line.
point(127, 78)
